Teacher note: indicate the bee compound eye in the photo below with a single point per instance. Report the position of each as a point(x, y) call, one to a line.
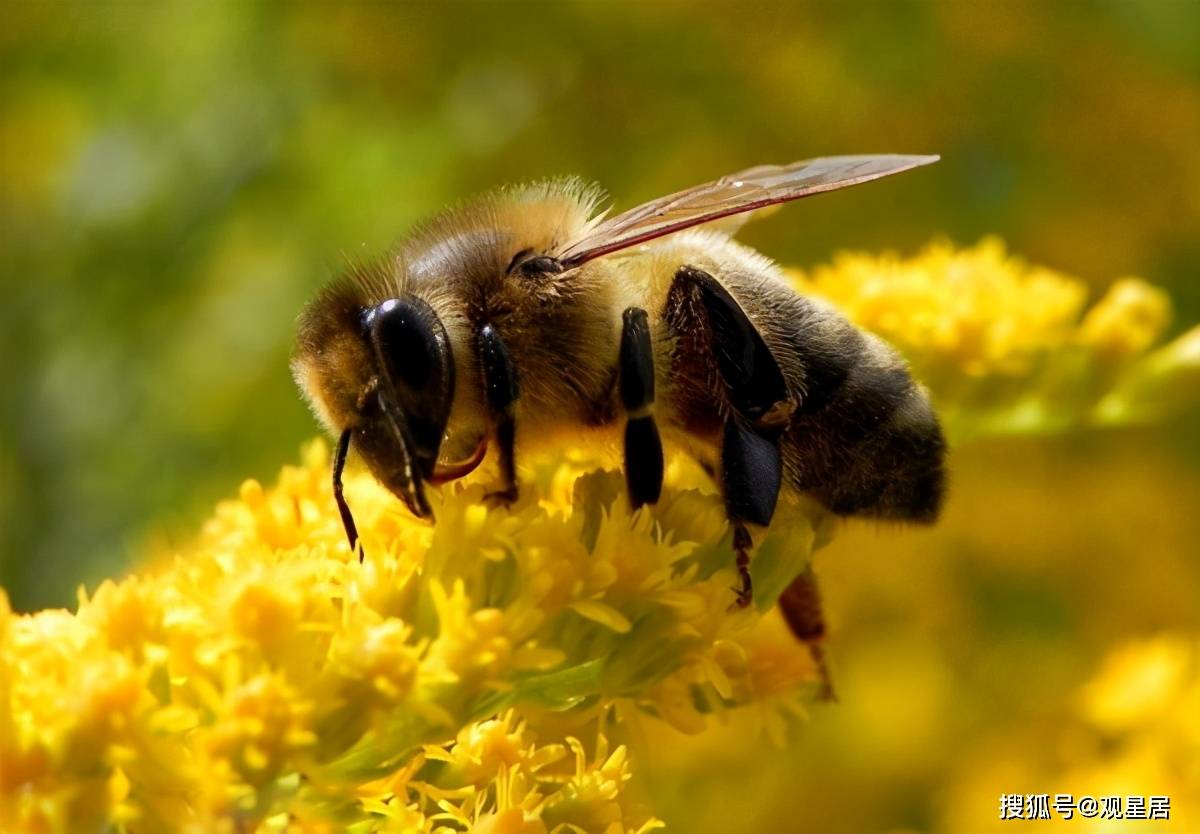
point(413, 353)
point(410, 340)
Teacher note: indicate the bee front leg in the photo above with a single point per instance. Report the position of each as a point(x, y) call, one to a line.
point(643, 446)
point(500, 389)
point(339, 464)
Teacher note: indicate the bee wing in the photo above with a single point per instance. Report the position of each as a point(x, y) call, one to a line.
point(754, 188)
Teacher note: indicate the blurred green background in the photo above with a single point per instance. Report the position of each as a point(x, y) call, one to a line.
point(176, 179)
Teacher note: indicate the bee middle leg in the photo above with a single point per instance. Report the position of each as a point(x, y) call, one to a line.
point(501, 390)
point(643, 446)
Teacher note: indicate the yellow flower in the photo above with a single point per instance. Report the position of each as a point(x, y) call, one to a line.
point(1007, 347)
point(977, 311)
point(1129, 319)
point(263, 676)
point(483, 749)
point(1137, 734)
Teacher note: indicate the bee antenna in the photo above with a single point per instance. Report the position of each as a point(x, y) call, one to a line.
point(339, 463)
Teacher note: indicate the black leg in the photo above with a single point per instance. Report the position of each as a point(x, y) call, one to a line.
point(717, 336)
point(742, 545)
point(753, 382)
point(500, 387)
point(751, 474)
point(506, 430)
point(801, 607)
point(339, 463)
point(643, 446)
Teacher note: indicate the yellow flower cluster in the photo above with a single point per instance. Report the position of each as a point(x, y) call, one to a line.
point(1007, 347)
point(266, 681)
point(975, 311)
point(1135, 732)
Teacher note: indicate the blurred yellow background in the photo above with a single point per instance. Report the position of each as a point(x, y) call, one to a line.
point(176, 179)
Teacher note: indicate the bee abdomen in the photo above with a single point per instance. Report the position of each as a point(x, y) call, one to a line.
point(865, 440)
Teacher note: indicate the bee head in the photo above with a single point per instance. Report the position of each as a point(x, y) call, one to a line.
point(403, 415)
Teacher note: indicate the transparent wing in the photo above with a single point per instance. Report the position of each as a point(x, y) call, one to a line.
point(747, 190)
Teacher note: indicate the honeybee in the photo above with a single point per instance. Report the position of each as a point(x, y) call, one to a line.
point(527, 313)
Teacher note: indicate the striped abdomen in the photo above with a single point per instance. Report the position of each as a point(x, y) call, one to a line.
point(864, 439)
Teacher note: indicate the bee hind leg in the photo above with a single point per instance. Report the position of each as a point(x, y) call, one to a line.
point(751, 475)
point(801, 607)
point(756, 405)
